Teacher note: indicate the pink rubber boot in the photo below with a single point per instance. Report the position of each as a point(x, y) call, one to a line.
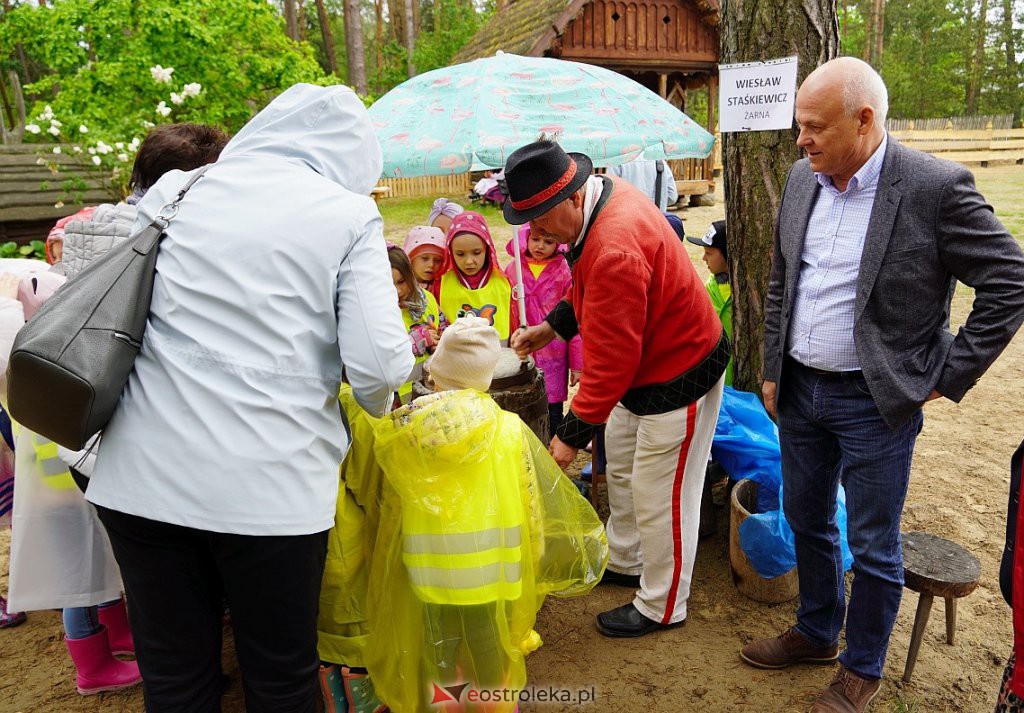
point(10, 619)
point(119, 634)
point(97, 669)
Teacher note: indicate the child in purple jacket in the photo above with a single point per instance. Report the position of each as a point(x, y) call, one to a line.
point(546, 280)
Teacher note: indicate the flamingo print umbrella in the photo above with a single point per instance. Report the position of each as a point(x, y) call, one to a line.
point(472, 116)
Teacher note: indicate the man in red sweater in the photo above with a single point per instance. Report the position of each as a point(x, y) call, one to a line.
point(654, 359)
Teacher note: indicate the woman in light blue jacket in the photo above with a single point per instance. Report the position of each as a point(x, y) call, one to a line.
point(217, 476)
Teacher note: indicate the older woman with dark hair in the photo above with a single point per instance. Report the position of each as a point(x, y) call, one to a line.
point(165, 148)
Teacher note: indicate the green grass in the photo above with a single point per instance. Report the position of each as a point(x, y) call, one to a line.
point(1003, 187)
point(903, 705)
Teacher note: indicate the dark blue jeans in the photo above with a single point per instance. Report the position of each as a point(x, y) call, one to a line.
point(830, 431)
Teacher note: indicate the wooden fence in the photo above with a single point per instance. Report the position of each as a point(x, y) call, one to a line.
point(962, 123)
point(693, 177)
point(454, 187)
point(977, 146)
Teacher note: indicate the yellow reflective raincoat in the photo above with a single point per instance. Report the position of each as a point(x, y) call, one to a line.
point(484, 525)
point(342, 623)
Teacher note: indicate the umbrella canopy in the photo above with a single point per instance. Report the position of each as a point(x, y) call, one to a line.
point(472, 116)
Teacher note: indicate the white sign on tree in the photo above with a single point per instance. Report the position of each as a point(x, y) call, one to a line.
point(757, 96)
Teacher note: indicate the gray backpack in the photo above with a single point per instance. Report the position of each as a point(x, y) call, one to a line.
point(71, 361)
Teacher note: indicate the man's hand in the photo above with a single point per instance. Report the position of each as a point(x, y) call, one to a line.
point(529, 339)
point(563, 454)
point(768, 389)
point(933, 395)
point(574, 376)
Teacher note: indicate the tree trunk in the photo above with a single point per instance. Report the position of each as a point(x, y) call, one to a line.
point(410, 37)
point(396, 18)
point(379, 33)
point(879, 34)
point(325, 30)
point(977, 65)
point(756, 162)
point(874, 26)
point(300, 19)
point(291, 23)
point(869, 27)
point(1012, 66)
point(354, 47)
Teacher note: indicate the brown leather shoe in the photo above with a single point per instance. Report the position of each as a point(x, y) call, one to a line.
point(848, 693)
point(786, 650)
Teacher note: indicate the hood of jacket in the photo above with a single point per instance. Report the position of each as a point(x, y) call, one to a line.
point(523, 236)
point(480, 230)
point(446, 428)
point(327, 128)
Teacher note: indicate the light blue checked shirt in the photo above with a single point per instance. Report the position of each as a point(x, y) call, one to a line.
point(821, 330)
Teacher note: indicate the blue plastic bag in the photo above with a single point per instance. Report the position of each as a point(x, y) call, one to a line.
point(746, 444)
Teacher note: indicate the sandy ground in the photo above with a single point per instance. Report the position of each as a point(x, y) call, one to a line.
point(958, 490)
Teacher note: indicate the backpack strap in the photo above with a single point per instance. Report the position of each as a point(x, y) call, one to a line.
point(660, 166)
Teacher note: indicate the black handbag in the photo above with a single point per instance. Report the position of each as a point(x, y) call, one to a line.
point(71, 361)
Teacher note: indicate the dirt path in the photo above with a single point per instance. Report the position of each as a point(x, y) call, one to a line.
point(958, 490)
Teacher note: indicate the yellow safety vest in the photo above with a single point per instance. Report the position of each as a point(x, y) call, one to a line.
point(431, 317)
point(490, 301)
point(52, 469)
point(467, 548)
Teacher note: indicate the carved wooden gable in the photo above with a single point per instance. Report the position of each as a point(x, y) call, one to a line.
point(640, 33)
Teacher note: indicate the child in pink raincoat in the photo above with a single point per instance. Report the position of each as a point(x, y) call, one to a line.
point(546, 279)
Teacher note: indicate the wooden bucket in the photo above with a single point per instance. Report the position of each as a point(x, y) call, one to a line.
point(770, 591)
point(517, 386)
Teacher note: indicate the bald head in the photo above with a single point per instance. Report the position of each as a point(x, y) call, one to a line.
point(841, 109)
point(858, 83)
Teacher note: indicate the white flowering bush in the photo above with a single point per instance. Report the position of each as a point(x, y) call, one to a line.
point(111, 163)
point(109, 66)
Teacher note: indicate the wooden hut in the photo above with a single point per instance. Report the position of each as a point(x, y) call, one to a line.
point(32, 197)
point(669, 46)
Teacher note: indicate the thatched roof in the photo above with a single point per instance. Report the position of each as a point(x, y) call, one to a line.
point(528, 27)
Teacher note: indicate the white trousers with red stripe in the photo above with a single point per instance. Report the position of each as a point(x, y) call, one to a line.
point(656, 467)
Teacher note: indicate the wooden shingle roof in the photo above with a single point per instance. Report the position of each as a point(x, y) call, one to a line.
point(529, 27)
point(32, 197)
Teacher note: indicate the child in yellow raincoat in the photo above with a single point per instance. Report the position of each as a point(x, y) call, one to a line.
point(342, 623)
point(483, 525)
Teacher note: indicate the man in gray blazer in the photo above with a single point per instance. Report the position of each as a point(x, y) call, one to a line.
point(870, 235)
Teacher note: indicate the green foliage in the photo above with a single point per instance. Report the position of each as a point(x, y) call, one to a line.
point(457, 22)
point(929, 48)
point(392, 70)
point(36, 249)
point(97, 58)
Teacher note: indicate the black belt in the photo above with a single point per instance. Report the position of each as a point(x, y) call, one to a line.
point(829, 375)
point(657, 398)
point(685, 388)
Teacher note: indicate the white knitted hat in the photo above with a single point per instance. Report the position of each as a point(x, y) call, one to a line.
point(466, 355)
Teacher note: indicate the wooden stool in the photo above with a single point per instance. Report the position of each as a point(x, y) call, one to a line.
point(935, 567)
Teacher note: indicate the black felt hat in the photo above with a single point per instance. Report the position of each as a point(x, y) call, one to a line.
point(539, 176)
